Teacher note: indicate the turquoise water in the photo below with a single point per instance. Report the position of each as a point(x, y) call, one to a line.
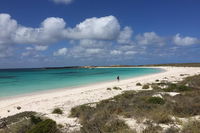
point(22, 81)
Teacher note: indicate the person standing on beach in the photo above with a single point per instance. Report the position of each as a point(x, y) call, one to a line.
point(118, 78)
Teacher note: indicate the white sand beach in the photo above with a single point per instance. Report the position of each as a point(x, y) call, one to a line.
point(65, 99)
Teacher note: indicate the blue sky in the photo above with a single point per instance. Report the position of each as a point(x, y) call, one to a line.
point(38, 33)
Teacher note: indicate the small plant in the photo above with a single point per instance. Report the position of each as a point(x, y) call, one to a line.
point(35, 119)
point(155, 87)
point(60, 126)
point(109, 89)
point(146, 86)
point(57, 111)
point(19, 107)
point(183, 88)
point(161, 117)
point(46, 126)
point(117, 88)
point(138, 84)
point(157, 80)
point(170, 88)
point(156, 100)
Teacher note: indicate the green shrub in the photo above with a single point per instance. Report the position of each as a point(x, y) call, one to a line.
point(171, 88)
point(109, 89)
point(146, 86)
point(138, 84)
point(117, 88)
point(155, 87)
point(46, 126)
point(57, 111)
point(35, 119)
point(115, 125)
point(19, 107)
point(183, 88)
point(156, 100)
point(82, 110)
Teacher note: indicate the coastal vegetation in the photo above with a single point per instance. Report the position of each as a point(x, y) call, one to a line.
point(152, 108)
point(28, 122)
point(57, 111)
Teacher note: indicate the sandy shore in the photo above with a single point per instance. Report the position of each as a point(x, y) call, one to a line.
point(68, 98)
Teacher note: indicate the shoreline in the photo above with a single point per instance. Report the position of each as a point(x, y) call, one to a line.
point(78, 86)
point(66, 99)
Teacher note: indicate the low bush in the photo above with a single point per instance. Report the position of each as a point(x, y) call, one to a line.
point(183, 88)
point(146, 86)
point(109, 89)
point(57, 111)
point(155, 87)
point(35, 119)
point(46, 126)
point(138, 84)
point(160, 116)
point(156, 100)
point(117, 88)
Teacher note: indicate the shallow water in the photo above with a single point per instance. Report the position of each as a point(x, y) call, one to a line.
point(22, 81)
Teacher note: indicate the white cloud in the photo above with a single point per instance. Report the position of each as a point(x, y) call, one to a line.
point(41, 48)
point(125, 36)
point(185, 41)
point(93, 51)
point(115, 52)
point(150, 38)
point(61, 52)
point(51, 30)
point(130, 52)
point(104, 28)
point(63, 1)
point(6, 32)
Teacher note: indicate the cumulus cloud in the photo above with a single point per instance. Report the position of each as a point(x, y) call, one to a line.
point(61, 52)
point(104, 28)
point(150, 38)
point(6, 32)
point(115, 52)
point(63, 1)
point(125, 36)
point(54, 29)
point(41, 48)
point(51, 30)
point(185, 41)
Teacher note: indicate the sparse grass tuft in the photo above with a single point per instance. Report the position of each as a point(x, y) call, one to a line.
point(146, 86)
point(138, 84)
point(109, 89)
point(57, 111)
point(117, 88)
point(46, 126)
point(156, 100)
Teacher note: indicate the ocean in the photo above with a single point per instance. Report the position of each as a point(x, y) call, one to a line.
point(15, 82)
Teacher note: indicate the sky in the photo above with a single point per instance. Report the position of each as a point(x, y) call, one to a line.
point(48, 33)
